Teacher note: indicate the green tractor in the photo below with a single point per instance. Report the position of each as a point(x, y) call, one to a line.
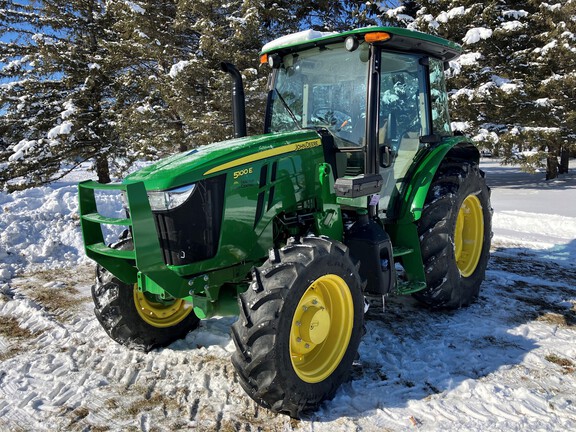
point(357, 187)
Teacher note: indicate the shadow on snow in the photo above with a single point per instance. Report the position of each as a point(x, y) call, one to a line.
point(410, 353)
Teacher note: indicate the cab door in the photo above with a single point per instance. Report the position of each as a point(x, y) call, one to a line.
point(402, 119)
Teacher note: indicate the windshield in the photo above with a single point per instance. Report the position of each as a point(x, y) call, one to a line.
point(323, 87)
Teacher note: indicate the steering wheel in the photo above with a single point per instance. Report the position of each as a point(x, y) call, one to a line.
point(333, 119)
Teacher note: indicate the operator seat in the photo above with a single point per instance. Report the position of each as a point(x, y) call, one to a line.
point(407, 149)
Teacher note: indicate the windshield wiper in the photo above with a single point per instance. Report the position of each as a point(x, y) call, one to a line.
point(290, 112)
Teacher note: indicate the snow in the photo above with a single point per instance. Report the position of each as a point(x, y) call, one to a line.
point(460, 126)
point(476, 34)
point(515, 14)
point(69, 109)
point(506, 363)
point(444, 17)
point(63, 128)
point(504, 84)
point(397, 13)
point(484, 135)
point(469, 59)
point(135, 8)
point(20, 149)
point(510, 26)
point(178, 67)
point(546, 48)
point(543, 102)
point(290, 39)
point(553, 7)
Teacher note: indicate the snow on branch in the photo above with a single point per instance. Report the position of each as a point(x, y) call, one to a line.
point(178, 67)
point(62, 129)
point(444, 17)
point(20, 149)
point(515, 14)
point(135, 8)
point(476, 34)
point(398, 14)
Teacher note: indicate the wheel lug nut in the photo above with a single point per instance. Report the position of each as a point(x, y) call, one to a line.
point(314, 302)
point(306, 346)
point(298, 323)
point(305, 308)
point(299, 339)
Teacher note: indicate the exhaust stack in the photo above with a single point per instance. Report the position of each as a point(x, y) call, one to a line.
point(238, 99)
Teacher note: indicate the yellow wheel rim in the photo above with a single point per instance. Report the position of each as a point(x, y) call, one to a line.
point(321, 328)
point(469, 235)
point(160, 314)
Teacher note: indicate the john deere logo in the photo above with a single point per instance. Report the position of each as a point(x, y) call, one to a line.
point(307, 144)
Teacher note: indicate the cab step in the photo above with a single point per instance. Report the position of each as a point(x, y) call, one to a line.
point(401, 251)
point(409, 287)
point(102, 249)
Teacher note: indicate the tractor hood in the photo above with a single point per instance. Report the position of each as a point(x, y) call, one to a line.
point(214, 159)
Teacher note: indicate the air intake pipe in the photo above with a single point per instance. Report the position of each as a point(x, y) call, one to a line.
point(238, 99)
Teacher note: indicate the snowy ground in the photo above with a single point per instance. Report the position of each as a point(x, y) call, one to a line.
point(506, 363)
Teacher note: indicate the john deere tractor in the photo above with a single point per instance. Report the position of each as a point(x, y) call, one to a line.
point(356, 187)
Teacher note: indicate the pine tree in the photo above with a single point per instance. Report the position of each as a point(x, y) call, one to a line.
point(154, 104)
point(57, 91)
point(555, 82)
point(513, 87)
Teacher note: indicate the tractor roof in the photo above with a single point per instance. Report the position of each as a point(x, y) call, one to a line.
point(399, 39)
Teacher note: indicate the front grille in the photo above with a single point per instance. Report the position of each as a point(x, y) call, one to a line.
point(190, 233)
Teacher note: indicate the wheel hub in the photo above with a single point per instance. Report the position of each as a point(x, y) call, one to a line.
point(159, 314)
point(321, 328)
point(469, 235)
point(315, 325)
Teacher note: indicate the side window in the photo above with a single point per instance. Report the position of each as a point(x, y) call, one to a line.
point(439, 99)
point(401, 97)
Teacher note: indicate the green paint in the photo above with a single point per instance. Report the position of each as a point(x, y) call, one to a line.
point(407, 37)
point(265, 176)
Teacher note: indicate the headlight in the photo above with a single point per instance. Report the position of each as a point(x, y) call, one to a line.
point(169, 199)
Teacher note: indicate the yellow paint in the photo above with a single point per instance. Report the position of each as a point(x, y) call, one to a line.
point(157, 314)
point(321, 328)
point(469, 235)
point(303, 145)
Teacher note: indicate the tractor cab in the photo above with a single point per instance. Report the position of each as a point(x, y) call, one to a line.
point(379, 94)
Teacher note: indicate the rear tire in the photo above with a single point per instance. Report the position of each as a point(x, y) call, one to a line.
point(133, 319)
point(455, 233)
point(300, 325)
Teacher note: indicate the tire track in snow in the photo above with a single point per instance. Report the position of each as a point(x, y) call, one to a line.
point(73, 377)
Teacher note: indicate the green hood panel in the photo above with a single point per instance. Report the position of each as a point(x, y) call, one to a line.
point(213, 159)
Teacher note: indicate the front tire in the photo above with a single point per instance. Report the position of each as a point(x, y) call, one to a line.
point(300, 325)
point(135, 319)
point(455, 234)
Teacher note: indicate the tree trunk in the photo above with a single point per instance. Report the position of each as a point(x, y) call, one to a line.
point(102, 169)
point(564, 160)
point(179, 126)
point(551, 167)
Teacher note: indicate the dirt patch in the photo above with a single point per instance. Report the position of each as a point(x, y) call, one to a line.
point(545, 310)
point(567, 319)
point(566, 364)
point(11, 330)
point(55, 291)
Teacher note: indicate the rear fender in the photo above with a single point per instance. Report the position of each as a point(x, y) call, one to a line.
point(410, 201)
